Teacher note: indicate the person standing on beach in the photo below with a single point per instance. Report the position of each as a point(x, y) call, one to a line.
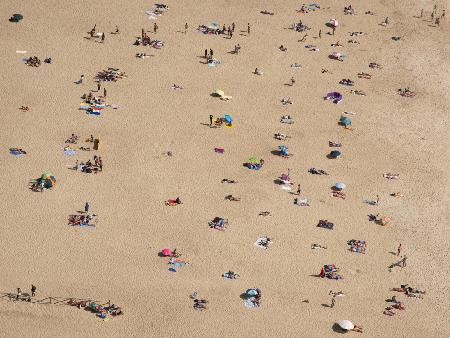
point(19, 293)
point(403, 261)
point(334, 28)
point(98, 86)
point(104, 92)
point(100, 163)
point(103, 37)
point(155, 27)
point(211, 53)
point(210, 120)
point(320, 34)
point(33, 290)
point(87, 207)
point(185, 28)
point(399, 249)
point(248, 28)
point(233, 26)
point(299, 190)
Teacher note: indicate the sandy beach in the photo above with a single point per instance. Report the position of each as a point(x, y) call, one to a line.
point(119, 259)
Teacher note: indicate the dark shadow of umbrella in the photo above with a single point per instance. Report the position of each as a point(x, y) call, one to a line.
point(336, 328)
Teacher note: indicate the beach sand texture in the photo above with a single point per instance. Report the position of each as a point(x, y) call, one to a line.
point(118, 259)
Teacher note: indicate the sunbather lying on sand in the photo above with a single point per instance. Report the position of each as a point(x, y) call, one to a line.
point(258, 71)
point(24, 108)
point(358, 92)
point(232, 198)
point(173, 202)
point(391, 176)
point(227, 180)
point(363, 75)
point(317, 246)
point(281, 137)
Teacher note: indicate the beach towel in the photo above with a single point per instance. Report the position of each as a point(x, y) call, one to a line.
point(16, 152)
point(70, 152)
point(219, 150)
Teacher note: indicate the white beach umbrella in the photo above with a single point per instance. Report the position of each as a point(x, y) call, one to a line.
point(345, 324)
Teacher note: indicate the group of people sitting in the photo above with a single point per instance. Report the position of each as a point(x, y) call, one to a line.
point(287, 119)
point(89, 166)
point(348, 10)
point(358, 246)
point(110, 75)
point(338, 194)
point(147, 41)
point(33, 61)
point(91, 99)
point(406, 92)
point(254, 165)
point(81, 220)
point(300, 27)
point(218, 223)
point(101, 311)
point(330, 272)
point(410, 291)
point(323, 223)
point(346, 82)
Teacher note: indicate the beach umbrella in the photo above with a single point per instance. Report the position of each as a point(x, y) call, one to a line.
point(333, 22)
point(344, 120)
point(166, 252)
point(345, 324)
point(228, 119)
point(254, 160)
point(340, 186)
point(335, 154)
point(219, 92)
point(252, 292)
point(16, 18)
point(47, 174)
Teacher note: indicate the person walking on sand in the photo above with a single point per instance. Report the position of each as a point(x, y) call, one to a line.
point(334, 28)
point(103, 37)
point(333, 301)
point(299, 190)
point(87, 207)
point(33, 290)
point(233, 26)
point(19, 293)
point(211, 53)
point(399, 249)
point(100, 163)
point(81, 79)
point(185, 28)
point(443, 14)
point(98, 86)
point(248, 29)
point(117, 30)
point(104, 92)
point(206, 53)
point(320, 34)
point(155, 27)
point(210, 120)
